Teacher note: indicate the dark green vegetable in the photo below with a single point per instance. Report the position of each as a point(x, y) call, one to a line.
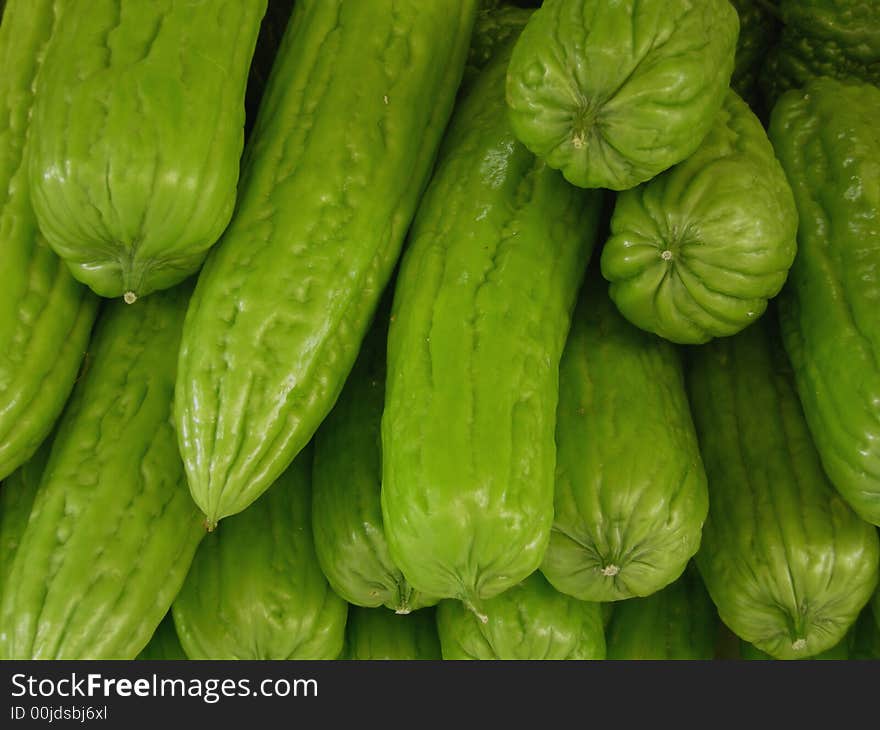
point(788, 564)
point(376, 633)
point(164, 645)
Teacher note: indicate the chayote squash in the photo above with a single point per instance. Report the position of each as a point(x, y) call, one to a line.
point(346, 135)
point(482, 306)
point(758, 28)
point(827, 139)
point(613, 93)
point(255, 589)
point(376, 633)
point(164, 645)
point(698, 251)
point(493, 29)
point(677, 622)
point(45, 315)
point(113, 528)
point(788, 564)
point(346, 487)
point(137, 135)
point(529, 621)
point(627, 519)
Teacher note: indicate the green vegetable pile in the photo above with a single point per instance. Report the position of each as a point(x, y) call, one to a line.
point(439, 329)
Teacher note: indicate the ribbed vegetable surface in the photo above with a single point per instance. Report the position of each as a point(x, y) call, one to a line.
point(376, 633)
point(481, 310)
point(45, 315)
point(528, 621)
point(787, 562)
point(828, 141)
point(255, 589)
point(138, 131)
point(113, 528)
point(626, 518)
point(346, 487)
point(347, 131)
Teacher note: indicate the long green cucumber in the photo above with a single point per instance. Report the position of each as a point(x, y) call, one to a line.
point(138, 132)
point(374, 633)
point(677, 622)
point(827, 140)
point(113, 528)
point(255, 589)
point(164, 645)
point(529, 621)
point(346, 487)
point(631, 496)
point(787, 562)
point(17, 495)
point(482, 306)
point(45, 315)
point(358, 98)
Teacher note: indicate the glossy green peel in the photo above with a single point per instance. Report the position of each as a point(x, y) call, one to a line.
point(481, 310)
point(529, 621)
point(376, 633)
point(45, 315)
point(346, 488)
point(698, 251)
point(348, 129)
point(630, 496)
point(613, 93)
point(138, 131)
point(113, 528)
point(788, 564)
point(828, 141)
point(255, 589)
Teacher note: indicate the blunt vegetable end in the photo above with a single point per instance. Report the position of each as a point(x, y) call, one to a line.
point(210, 525)
point(799, 644)
point(610, 570)
point(130, 297)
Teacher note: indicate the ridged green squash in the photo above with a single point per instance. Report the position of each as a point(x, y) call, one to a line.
point(698, 251)
point(374, 633)
point(787, 562)
point(678, 622)
point(841, 650)
point(164, 645)
point(17, 493)
point(255, 589)
point(346, 486)
point(138, 128)
point(347, 131)
point(758, 28)
point(613, 93)
point(828, 141)
point(627, 519)
point(113, 528)
point(529, 621)
point(482, 306)
point(494, 27)
point(45, 315)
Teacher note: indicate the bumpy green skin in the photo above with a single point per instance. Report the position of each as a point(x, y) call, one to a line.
point(787, 562)
point(494, 28)
point(678, 622)
point(45, 315)
point(614, 93)
point(481, 310)
point(113, 529)
point(346, 487)
point(374, 633)
point(138, 130)
point(627, 519)
point(698, 251)
point(164, 645)
point(757, 31)
point(346, 135)
point(529, 621)
point(255, 589)
point(835, 38)
point(827, 140)
point(17, 495)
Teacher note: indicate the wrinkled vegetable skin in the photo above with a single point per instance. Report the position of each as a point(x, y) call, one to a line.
point(827, 140)
point(138, 131)
point(377, 633)
point(345, 137)
point(482, 306)
point(788, 564)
